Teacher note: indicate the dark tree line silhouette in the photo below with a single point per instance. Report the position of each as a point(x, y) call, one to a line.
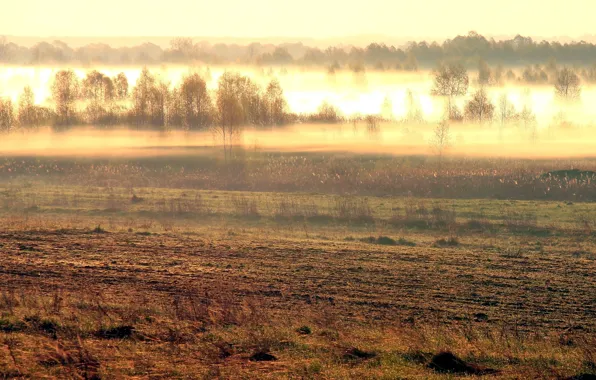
point(467, 49)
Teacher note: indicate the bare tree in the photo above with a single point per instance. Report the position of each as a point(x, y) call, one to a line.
point(567, 85)
point(6, 115)
point(121, 86)
point(162, 100)
point(150, 98)
point(479, 108)
point(450, 81)
point(526, 117)
point(65, 91)
point(506, 111)
point(327, 113)
point(195, 102)
point(97, 87)
point(372, 125)
point(99, 90)
point(142, 97)
point(29, 114)
point(26, 113)
point(275, 104)
point(413, 109)
point(441, 140)
point(238, 103)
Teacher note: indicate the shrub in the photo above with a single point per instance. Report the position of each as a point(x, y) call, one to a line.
point(405, 242)
point(304, 330)
point(382, 240)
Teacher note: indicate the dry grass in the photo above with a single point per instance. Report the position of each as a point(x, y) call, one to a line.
point(80, 304)
point(104, 281)
point(316, 172)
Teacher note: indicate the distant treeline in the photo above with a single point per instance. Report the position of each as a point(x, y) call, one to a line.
point(101, 100)
point(238, 101)
point(466, 49)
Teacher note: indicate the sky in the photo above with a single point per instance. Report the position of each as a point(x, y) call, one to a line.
point(288, 18)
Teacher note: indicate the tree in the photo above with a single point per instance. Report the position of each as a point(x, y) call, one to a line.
point(450, 81)
point(479, 108)
point(150, 99)
point(26, 113)
point(99, 90)
point(65, 91)
point(97, 87)
point(372, 125)
point(275, 104)
point(526, 118)
point(506, 111)
point(441, 140)
point(6, 115)
point(567, 85)
point(195, 103)
point(142, 95)
point(327, 113)
point(29, 114)
point(121, 86)
point(238, 103)
point(413, 109)
point(161, 102)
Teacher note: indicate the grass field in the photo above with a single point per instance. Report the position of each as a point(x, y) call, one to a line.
point(181, 281)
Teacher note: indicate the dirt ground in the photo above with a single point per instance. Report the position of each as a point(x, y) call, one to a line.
point(544, 284)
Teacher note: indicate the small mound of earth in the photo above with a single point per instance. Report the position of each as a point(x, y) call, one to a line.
point(262, 357)
point(354, 353)
point(447, 362)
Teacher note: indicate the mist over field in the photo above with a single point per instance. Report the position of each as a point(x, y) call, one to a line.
point(393, 139)
point(373, 92)
point(305, 89)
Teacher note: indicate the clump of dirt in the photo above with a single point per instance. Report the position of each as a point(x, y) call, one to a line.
point(446, 362)
point(356, 354)
point(304, 330)
point(262, 356)
point(117, 332)
point(384, 240)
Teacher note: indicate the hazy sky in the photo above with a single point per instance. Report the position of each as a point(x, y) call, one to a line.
point(287, 18)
